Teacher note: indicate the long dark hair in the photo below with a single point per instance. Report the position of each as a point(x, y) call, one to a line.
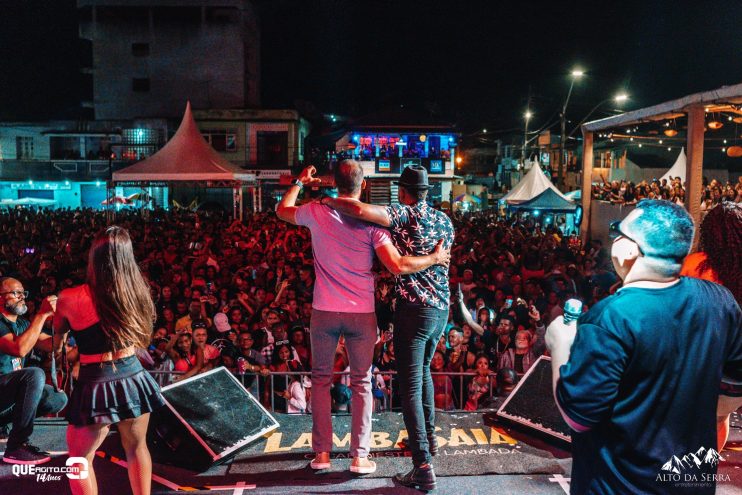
point(119, 291)
point(721, 240)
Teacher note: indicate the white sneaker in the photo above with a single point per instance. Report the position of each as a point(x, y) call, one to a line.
point(368, 468)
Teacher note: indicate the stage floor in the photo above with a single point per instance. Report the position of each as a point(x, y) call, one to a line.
point(283, 479)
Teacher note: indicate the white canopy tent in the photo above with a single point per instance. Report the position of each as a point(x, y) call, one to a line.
point(187, 158)
point(534, 183)
point(678, 168)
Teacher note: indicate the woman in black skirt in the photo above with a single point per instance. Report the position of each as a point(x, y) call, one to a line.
point(110, 317)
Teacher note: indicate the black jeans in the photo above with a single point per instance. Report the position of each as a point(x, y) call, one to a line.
point(417, 330)
point(23, 397)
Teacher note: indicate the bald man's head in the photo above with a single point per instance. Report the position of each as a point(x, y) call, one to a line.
point(12, 297)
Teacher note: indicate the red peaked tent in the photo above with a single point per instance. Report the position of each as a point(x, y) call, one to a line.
point(186, 157)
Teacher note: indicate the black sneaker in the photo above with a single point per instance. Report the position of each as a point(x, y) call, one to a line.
point(26, 454)
point(419, 477)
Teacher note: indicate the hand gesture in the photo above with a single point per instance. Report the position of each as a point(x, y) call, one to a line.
point(459, 294)
point(443, 256)
point(307, 176)
point(533, 313)
point(48, 306)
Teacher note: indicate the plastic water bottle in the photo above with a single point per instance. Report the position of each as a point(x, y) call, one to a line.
point(572, 310)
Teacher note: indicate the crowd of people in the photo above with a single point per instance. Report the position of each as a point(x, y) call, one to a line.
point(626, 192)
point(239, 294)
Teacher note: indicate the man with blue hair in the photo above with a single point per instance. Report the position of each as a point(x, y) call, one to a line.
point(644, 374)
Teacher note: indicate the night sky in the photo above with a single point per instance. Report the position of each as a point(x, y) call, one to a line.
point(469, 62)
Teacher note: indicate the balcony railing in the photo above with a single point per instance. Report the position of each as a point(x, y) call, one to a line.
point(59, 170)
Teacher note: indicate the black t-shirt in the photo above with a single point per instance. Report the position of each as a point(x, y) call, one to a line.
point(644, 374)
point(10, 363)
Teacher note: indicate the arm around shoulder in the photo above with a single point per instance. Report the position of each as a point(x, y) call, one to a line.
point(360, 210)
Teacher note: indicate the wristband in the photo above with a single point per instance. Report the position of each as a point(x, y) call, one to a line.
point(299, 183)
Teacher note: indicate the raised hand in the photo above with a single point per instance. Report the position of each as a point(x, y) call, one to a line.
point(307, 176)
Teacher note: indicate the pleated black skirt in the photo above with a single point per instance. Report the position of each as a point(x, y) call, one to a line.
point(109, 392)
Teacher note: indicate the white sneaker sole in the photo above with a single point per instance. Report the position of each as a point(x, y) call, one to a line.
point(363, 469)
point(320, 465)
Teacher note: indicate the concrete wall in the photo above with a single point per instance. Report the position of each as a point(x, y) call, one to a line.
point(211, 61)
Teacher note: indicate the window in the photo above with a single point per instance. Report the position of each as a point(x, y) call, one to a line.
point(273, 148)
point(64, 148)
point(140, 49)
point(222, 140)
point(24, 147)
point(140, 84)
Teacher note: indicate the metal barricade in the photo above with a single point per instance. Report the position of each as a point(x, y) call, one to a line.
point(263, 386)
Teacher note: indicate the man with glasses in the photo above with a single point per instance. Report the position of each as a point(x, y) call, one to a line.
point(23, 393)
point(642, 376)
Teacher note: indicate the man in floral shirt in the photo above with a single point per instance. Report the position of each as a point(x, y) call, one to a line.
point(421, 309)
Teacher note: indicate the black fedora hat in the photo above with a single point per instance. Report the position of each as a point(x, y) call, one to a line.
point(414, 177)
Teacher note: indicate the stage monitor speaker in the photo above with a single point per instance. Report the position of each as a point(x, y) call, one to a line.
point(207, 420)
point(531, 403)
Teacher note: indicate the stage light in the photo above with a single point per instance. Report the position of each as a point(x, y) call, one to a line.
point(715, 124)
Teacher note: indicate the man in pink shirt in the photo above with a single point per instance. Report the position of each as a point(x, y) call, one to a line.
point(343, 303)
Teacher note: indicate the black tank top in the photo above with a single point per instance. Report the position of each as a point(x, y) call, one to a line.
point(92, 340)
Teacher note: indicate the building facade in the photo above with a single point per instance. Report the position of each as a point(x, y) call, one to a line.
point(149, 56)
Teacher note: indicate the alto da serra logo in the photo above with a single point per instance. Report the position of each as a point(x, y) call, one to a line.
point(701, 459)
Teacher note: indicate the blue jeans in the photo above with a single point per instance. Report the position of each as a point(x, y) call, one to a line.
point(23, 397)
point(417, 330)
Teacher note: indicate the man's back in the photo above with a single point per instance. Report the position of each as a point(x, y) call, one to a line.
point(645, 373)
point(343, 250)
point(415, 230)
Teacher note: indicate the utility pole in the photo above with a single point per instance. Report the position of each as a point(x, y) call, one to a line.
point(525, 131)
point(563, 124)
